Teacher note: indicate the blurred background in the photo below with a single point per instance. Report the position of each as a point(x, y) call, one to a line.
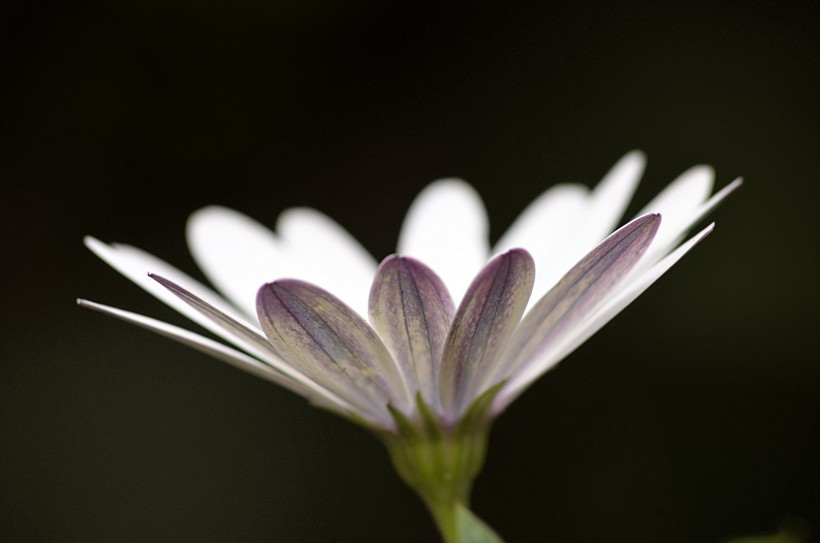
point(693, 417)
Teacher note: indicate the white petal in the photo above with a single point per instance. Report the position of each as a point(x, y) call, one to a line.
point(319, 251)
point(542, 228)
point(239, 255)
point(236, 253)
point(446, 228)
point(677, 202)
point(225, 354)
point(591, 222)
point(615, 190)
point(610, 198)
point(686, 220)
point(630, 289)
point(684, 194)
point(136, 264)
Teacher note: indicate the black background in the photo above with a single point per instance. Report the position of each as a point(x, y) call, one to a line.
point(693, 417)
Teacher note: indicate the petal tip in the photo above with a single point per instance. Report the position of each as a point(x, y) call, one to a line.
point(652, 219)
point(94, 244)
point(518, 252)
point(636, 155)
point(390, 260)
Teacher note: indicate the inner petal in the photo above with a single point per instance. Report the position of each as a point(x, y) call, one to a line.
point(327, 341)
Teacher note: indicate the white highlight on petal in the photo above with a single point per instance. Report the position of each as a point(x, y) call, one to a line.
point(225, 354)
point(446, 228)
point(684, 194)
point(236, 253)
point(677, 203)
point(319, 251)
point(542, 229)
point(239, 255)
point(136, 264)
point(613, 194)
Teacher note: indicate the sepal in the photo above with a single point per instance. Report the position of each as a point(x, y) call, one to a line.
point(441, 461)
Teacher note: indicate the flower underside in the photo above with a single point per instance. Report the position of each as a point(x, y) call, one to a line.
point(452, 335)
point(431, 334)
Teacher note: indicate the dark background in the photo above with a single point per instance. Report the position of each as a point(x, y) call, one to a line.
point(693, 417)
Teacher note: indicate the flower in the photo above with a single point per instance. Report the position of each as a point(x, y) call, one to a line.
point(453, 336)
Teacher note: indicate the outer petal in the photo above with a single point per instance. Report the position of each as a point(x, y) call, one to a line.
point(238, 332)
point(613, 194)
point(225, 354)
point(135, 264)
point(321, 252)
point(239, 255)
point(316, 332)
point(248, 338)
point(631, 288)
point(543, 227)
point(236, 253)
point(579, 293)
point(411, 310)
point(669, 237)
point(681, 197)
point(591, 217)
point(446, 228)
point(485, 320)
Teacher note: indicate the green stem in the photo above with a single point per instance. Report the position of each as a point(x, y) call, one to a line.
point(444, 514)
point(458, 525)
point(440, 462)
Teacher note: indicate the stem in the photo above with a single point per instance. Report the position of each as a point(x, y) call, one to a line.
point(440, 462)
point(444, 514)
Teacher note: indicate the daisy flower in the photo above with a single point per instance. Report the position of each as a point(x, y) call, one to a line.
point(427, 348)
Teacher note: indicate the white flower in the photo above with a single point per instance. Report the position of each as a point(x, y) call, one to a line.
point(418, 344)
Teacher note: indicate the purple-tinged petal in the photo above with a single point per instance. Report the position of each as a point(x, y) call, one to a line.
point(240, 333)
point(579, 292)
point(254, 342)
point(317, 333)
point(632, 287)
point(486, 318)
point(411, 310)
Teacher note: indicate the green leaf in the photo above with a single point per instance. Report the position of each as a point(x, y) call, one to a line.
point(471, 529)
point(792, 530)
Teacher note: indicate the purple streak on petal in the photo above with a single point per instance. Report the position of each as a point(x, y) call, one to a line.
point(317, 333)
point(411, 310)
point(580, 291)
point(486, 318)
point(253, 341)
